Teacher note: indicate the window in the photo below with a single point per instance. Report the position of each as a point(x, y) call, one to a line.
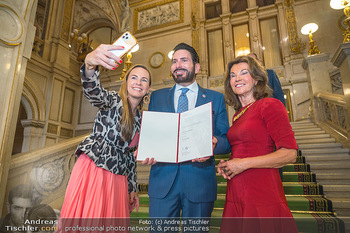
point(238, 5)
point(241, 40)
point(270, 43)
point(213, 10)
point(261, 3)
point(216, 53)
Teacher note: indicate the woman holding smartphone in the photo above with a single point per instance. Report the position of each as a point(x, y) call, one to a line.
point(103, 180)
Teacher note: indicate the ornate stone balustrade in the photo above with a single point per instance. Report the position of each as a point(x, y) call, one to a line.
point(333, 113)
point(47, 170)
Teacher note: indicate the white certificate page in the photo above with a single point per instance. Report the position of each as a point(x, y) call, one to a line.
point(196, 131)
point(158, 136)
point(174, 137)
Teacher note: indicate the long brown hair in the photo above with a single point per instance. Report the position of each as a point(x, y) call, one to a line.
point(258, 73)
point(128, 119)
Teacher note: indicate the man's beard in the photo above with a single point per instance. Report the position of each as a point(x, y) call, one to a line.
point(188, 78)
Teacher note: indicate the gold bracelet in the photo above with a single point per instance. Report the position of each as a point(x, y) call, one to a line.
point(89, 67)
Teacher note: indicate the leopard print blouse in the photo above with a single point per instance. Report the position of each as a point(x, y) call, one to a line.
point(105, 145)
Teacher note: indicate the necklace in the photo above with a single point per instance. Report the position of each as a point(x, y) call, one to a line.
point(243, 111)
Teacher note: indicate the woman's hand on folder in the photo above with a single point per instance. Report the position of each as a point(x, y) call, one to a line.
point(147, 161)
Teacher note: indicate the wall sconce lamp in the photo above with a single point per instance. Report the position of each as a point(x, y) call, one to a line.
point(308, 29)
point(77, 39)
point(340, 4)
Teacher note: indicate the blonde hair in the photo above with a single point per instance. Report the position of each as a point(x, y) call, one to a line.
point(128, 120)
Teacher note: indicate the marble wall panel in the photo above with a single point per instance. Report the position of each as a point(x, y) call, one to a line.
point(68, 106)
point(56, 100)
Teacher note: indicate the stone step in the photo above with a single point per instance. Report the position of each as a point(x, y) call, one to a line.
point(326, 157)
point(325, 178)
point(302, 188)
point(341, 206)
point(320, 146)
point(299, 130)
point(334, 190)
point(305, 127)
point(346, 221)
point(317, 172)
point(330, 165)
point(318, 151)
point(308, 121)
point(143, 168)
point(316, 136)
point(303, 121)
point(315, 140)
point(307, 223)
point(142, 180)
point(299, 177)
point(310, 133)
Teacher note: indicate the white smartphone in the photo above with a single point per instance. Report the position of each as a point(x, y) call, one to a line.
point(127, 40)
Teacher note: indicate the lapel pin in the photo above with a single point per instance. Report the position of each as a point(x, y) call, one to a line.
point(203, 96)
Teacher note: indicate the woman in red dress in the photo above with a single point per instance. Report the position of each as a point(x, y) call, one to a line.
point(262, 141)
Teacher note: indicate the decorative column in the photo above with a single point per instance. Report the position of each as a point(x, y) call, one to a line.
point(60, 26)
point(16, 40)
point(283, 28)
point(227, 38)
point(195, 27)
point(254, 31)
point(341, 59)
point(292, 50)
point(200, 36)
point(316, 67)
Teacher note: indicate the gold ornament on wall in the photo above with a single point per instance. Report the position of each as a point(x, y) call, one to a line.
point(295, 43)
point(156, 60)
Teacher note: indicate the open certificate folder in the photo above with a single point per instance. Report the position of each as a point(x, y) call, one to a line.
point(176, 137)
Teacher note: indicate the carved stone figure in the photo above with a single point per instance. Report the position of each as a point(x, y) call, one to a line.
point(125, 16)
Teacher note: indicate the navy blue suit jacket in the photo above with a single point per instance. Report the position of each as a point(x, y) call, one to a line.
point(275, 85)
point(198, 179)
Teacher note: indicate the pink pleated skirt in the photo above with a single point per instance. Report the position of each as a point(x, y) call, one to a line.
point(94, 192)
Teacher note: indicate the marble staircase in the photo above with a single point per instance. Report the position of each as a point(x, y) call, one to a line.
point(331, 164)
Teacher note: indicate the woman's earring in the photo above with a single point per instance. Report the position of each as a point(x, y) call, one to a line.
point(146, 99)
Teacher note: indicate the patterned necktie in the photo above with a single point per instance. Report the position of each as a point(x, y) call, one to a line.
point(183, 101)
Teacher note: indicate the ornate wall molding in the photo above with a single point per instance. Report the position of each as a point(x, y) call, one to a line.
point(12, 34)
point(195, 25)
point(48, 177)
point(158, 15)
point(52, 128)
point(33, 123)
point(67, 16)
point(295, 43)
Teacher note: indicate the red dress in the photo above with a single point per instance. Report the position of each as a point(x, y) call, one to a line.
point(258, 193)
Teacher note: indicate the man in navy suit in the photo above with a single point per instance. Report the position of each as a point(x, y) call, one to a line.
point(189, 187)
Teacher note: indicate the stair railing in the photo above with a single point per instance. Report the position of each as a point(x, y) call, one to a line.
point(332, 114)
